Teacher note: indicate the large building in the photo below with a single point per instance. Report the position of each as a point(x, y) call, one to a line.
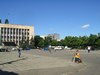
point(15, 33)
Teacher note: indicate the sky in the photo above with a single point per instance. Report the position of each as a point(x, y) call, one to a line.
point(65, 17)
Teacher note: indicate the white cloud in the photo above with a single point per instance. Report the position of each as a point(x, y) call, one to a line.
point(86, 26)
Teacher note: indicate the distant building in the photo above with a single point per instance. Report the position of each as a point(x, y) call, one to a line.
point(99, 34)
point(54, 36)
point(15, 33)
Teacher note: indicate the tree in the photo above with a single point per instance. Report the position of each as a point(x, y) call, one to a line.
point(47, 41)
point(92, 40)
point(98, 44)
point(80, 42)
point(37, 41)
point(41, 43)
point(69, 41)
point(63, 43)
point(54, 43)
point(83, 41)
point(75, 42)
point(6, 21)
point(0, 21)
point(24, 44)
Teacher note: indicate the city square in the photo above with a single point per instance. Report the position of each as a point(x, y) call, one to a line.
point(50, 37)
point(40, 62)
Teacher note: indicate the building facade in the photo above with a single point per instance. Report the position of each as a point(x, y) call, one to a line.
point(15, 33)
point(54, 36)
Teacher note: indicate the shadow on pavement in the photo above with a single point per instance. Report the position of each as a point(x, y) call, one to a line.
point(10, 62)
point(7, 73)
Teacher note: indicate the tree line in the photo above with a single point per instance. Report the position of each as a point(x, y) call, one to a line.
point(77, 42)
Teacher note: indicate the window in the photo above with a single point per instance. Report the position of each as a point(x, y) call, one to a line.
point(11, 37)
point(5, 32)
point(17, 37)
point(27, 33)
point(14, 37)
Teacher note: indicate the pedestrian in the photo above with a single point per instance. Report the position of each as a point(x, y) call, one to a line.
point(19, 52)
point(89, 48)
point(77, 57)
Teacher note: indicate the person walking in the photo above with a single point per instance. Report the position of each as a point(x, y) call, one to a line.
point(89, 48)
point(19, 52)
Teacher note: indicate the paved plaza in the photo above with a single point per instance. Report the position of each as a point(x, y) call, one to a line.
point(39, 62)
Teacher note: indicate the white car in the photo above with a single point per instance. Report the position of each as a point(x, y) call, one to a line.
point(66, 47)
point(58, 48)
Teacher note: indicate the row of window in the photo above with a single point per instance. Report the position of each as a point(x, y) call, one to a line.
point(16, 33)
point(13, 37)
point(10, 41)
point(14, 29)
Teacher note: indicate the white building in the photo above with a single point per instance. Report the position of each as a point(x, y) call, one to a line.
point(15, 33)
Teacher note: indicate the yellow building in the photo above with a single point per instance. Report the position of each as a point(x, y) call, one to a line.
point(15, 33)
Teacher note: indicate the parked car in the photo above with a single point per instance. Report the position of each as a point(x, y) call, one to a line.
point(66, 47)
point(58, 48)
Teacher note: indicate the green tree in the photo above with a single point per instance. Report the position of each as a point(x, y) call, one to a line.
point(92, 39)
point(69, 41)
point(46, 42)
point(6, 21)
point(73, 41)
point(53, 43)
point(97, 42)
point(63, 43)
point(37, 40)
point(24, 44)
point(41, 43)
point(83, 41)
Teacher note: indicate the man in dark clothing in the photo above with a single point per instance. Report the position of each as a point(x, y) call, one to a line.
point(19, 52)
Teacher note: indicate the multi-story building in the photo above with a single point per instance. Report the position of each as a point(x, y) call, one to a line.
point(15, 33)
point(54, 36)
